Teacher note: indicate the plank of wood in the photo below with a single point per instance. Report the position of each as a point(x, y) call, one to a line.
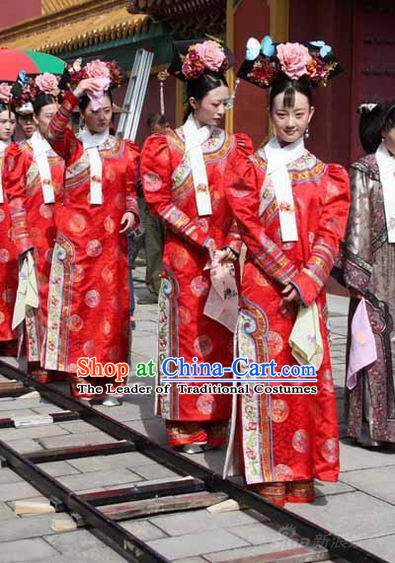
point(128, 510)
point(63, 523)
point(75, 452)
point(145, 490)
point(226, 506)
point(33, 507)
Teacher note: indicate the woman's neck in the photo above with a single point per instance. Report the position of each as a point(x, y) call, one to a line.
point(390, 149)
point(198, 123)
point(284, 144)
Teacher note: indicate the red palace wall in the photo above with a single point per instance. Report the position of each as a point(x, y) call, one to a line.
point(14, 12)
point(331, 127)
point(251, 102)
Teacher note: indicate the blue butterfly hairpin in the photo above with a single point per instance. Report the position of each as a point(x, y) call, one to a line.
point(267, 46)
point(323, 47)
point(22, 78)
point(253, 49)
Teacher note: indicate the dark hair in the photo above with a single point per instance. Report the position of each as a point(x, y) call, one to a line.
point(41, 101)
point(156, 119)
point(289, 87)
point(85, 100)
point(6, 107)
point(200, 87)
point(370, 128)
point(389, 117)
point(375, 122)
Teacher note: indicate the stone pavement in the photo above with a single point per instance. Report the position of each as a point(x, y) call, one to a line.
point(360, 507)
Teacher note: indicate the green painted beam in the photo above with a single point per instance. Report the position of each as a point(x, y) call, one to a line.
point(159, 39)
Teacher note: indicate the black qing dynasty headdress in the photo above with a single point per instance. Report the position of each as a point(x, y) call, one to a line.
point(266, 62)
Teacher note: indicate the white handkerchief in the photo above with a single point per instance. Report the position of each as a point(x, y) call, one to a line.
point(27, 292)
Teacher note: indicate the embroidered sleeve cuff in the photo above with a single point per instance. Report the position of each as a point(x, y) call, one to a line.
point(183, 225)
point(23, 243)
point(70, 102)
point(307, 288)
point(276, 265)
point(356, 272)
point(60, 120)
point(132, 205)
point(20, 232)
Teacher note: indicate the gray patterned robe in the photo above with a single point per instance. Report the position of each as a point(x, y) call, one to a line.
point(368, 266)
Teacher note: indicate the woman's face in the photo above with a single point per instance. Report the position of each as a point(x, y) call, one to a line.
point(290, 123)
point(389, 140)
point(211, 109)
point(7, 125)
point(44, 117)
point(98, 121)
point(26, 123)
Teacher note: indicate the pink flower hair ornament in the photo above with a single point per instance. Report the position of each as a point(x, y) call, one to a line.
point(194, 58)
point(5, 93)
point(27, 89)
point(266, 62)
point(75, 72)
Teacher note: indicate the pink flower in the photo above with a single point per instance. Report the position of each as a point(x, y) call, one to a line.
point(97, 69)
point(192, 67)
point(5, 92)
point(211, 54)
point(294, 58)
point(47, 83)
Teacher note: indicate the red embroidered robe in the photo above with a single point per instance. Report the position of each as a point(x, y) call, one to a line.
point(89, 291)
point(8, 266)
point(286, 437)
point(33, 228)
point(184, 331)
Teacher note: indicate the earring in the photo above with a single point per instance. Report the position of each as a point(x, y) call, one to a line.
point(306, 133)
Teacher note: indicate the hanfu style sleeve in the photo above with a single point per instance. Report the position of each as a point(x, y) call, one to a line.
point(156, 174)
point(60, 136)
point(310, 281)
point(242, 192)
point(233, 238)
point(16, 165)
point(131, 180)
point(357, 259)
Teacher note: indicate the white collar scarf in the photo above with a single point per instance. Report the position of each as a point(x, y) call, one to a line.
point(194, 139)
point(91, 143)
point(386, 164)
point(41, 147)
point(3, 146)
point(278, 158)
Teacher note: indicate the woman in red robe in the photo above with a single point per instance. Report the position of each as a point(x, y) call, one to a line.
point(8, 254)
point(34, 186)
point(88, 295)
point(292, 210)
point(193, 223)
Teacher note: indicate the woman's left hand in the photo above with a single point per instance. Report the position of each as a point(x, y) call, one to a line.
point(290, 294)
point(224, 255)
point(129, 220)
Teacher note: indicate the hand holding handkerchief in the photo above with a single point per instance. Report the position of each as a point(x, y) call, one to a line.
point(27, 292)
point(97, 98)
point(305, 339)
point(223, 300)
